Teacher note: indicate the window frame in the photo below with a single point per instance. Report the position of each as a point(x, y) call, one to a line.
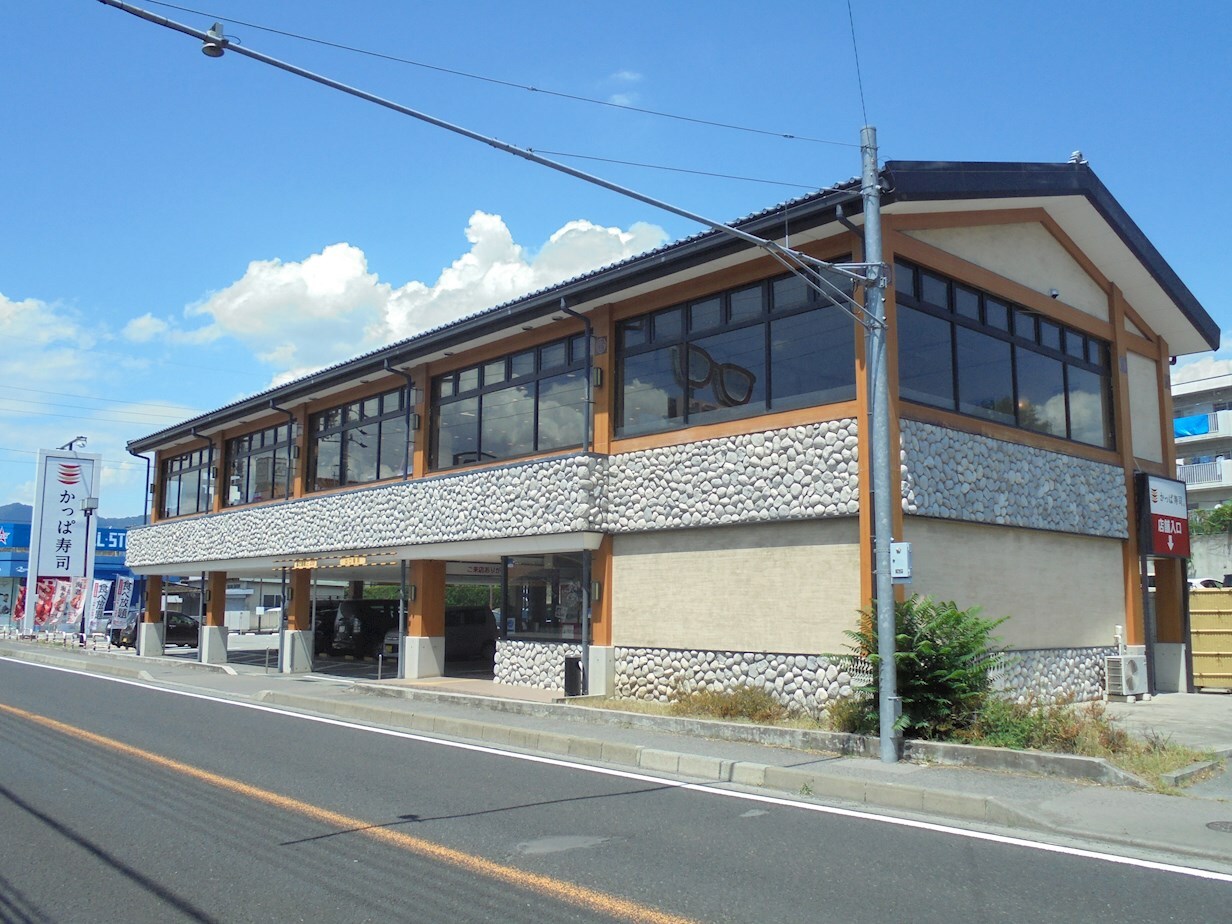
point(1026, 331)
point(339, 420)
point(199, 461)
point(525, 369)
point(233, 453)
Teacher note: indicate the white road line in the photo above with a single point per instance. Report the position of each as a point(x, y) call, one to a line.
point(665, 782)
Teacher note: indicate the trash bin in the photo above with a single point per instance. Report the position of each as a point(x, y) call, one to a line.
point(573, 676)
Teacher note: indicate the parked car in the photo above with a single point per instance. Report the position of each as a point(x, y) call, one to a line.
point(470, 634)
point(1205, 583)
point(181, 630)
point(354, 627)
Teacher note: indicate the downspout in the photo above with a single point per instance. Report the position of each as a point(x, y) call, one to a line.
point(291, 421)
point(590, 375)
point(410, 394)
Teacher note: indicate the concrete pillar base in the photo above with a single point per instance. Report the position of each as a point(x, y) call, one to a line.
point(151, 639)
point(213, 645)
point(601, 671)
point(423, 656)
point(296, 651)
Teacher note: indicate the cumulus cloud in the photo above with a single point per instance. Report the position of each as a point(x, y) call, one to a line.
point(624, 81)
point(145, 328)
point(297, 316)
point(43, 342)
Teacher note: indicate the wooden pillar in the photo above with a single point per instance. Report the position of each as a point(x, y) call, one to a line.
point(426, 613)
point(419, 451)
point(298, 609)
point(153, 599)
point(603, 359)
point(601, 608)
point(216, 598)
point(1135, 631)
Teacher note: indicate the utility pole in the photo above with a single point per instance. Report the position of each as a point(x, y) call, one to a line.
point(881, 465)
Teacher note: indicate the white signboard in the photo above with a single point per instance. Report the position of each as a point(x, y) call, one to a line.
point(60, 547)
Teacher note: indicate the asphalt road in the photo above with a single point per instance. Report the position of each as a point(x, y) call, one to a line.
point(123, 803)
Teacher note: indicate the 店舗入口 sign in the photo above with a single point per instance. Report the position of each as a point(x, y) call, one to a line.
point(1165, 512)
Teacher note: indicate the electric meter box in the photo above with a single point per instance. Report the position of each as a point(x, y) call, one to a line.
point(900, 562)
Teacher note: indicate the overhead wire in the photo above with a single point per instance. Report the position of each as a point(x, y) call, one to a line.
point(787, 136)
point(633, 163)
point(856, 48)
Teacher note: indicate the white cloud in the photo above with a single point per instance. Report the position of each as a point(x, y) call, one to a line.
point(300, 316)
point(625, 80)
point(145, 328)
point(1207, 367)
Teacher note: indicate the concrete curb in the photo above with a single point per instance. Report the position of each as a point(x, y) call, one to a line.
point(653, 760)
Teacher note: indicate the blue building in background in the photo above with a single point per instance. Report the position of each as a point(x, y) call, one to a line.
point(110, 546)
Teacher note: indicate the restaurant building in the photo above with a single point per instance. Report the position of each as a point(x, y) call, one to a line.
point(666, 457)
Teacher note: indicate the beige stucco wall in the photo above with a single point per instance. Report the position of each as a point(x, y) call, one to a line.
point(1059, 590)
point(788, 587)
point(1144, 408)
point(1027, 254)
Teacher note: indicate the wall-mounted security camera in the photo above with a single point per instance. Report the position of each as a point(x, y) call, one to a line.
point(1055, 293)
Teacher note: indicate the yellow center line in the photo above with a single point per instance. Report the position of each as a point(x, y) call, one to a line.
point(579, 896)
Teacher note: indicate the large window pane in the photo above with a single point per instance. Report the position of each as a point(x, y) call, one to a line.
point(562, 407)
point(457, 434)
point(393, 447)
point(925, 363)
point(508, 422)
point(360, 454)
point(727, 375)
point(262, 469)
point(652, 391)
point(985, 376)
point(190, 484)
point(1089, 420)
point(812, 358)
point(1041, 392)
point(328, 462)
point(745, 304)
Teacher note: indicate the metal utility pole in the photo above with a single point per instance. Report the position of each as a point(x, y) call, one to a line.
point(881, 465)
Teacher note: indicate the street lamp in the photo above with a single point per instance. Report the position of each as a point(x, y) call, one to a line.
point(88, 506)
point(73, 442)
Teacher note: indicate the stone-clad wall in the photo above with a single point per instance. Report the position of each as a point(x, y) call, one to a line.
point(804, 472)
point(803, 683)
point(526, 499)
point(801, 472)
point(962, 476)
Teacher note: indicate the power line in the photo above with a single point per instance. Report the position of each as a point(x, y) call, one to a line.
point(95, 418)
point(65, 394)
point(30, 452)
point(134, 415)
point(633, 163)
point(787, 136)
point(856, 48)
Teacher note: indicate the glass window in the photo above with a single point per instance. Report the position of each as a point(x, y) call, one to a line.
point(745, 304)
point(925, 360)
point(521, 364)
point(394, 445)
point(370, 407)
point(652, 391)
point(562, 409)
point(1041, 392)
point(544, 599)
point(812, 358)
point(553, 356)
point(996, 314)
point(494, 372)
point(457, 434)
point(967, 302)
point(705, 315)
point(789, 293)
point(725, 374)
point(1089, 413)
point(634, 333)
point(985, 376)
point(361, 451)
point(188, 483)
point(328, 455)
point(668, 325)
point(1049, 335)
point(508, 427)
point(935, 291)
point(904, 279)
point(468, 380)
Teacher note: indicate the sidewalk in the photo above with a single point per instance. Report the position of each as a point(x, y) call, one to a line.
point(1194, 828)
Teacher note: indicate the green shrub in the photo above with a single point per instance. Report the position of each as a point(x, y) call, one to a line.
point(944, 659)
point(854, 714)
point(1061, 728)
point(752, 704)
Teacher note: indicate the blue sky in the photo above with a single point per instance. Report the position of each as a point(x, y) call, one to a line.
point(178, 232)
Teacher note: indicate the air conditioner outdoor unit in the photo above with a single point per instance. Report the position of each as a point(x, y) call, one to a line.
point(1125, 675)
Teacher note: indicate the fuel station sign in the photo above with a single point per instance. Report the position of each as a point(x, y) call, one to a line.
point(1164, 511)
